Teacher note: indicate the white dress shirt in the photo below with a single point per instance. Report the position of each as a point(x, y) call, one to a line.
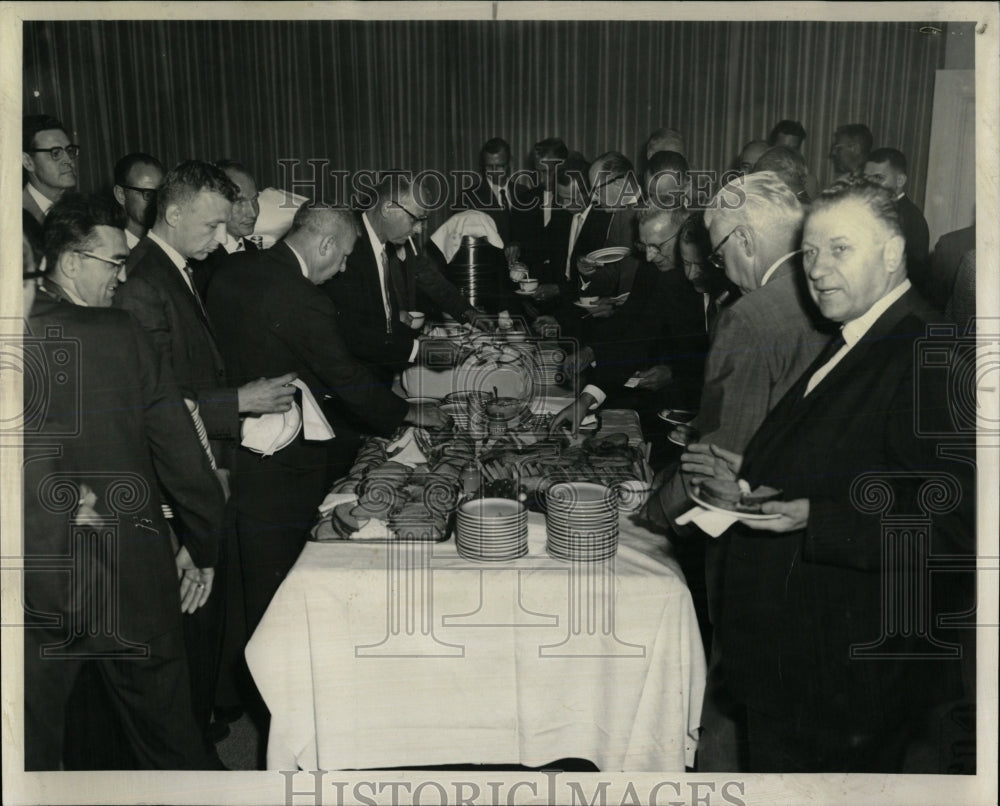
point(853, 331)
point(574, 233)
point(131, 240)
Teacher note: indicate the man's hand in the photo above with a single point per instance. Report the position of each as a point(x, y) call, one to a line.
point(573, 414)
point(545, 291)
point(655, 377)
point(512, 253)
point(479, 320)
point(196, 583)
point(267, 395)
point(428, 415)
point(706, 461)
point(86, 512)
point(586, 267)
point(603, 309)
point(794, 516)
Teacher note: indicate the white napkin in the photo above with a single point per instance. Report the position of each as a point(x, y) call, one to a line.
point(315, 426)
point(334, 500)
point(709, 521)
point(277, 209)
point(405, 450)
point(448, 237)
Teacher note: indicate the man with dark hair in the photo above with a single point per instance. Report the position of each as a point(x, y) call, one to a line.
point(137, 178)
point(852, 143)
point(239, 228)
point(271, 317)
point(72, 237)
point(538, 225)
point(115, 435)
point(788, 133)
point(813, 646)
point(193, 207)
point(748, 157)
point(49, 161)
point(374, 296)
point(492, 194)
point(666, 180)
point(886, 167)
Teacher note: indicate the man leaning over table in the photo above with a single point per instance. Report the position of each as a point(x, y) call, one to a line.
point(383, 273)
point(828, 682)
point(271, 317)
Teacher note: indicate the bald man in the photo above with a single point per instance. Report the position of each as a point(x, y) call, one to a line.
point(268, 312)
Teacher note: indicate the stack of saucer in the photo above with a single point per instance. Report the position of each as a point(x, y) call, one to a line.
point(581, 521)
point(491, 529)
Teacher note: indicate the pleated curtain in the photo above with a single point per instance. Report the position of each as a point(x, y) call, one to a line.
point(425, 95)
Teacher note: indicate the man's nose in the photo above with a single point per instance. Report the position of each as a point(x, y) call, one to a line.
point(120, 276)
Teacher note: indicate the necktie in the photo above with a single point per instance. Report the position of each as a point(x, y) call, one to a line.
point(386, 290)
point(823, 359)
point(194, 291)
point(503, 199)
point(574, 233)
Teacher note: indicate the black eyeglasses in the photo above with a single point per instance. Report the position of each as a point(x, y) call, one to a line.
point(659, 247)
point(56, 152)
point(715, 258)
point(118, 264)
point(417, 219)
point(148, 194)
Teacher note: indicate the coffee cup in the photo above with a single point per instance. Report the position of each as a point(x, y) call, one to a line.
point(518, 272)
point(529, 285)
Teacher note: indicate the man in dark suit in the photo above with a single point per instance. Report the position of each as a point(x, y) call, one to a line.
point(384, 272)
point(193, 207)
point(491, 193)
point(852, 143)
point(137, 178)
point(887, 167)
point(539, 226)
point(49, 160)
point(948, 253)
point(760, 346)
point(113, 432)
point(239, 228)
point(271, 318)
point(814, 645)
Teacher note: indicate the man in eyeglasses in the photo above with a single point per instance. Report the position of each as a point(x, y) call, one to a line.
point(762, 343)
point(49, 161)
point(137, 178)
point(374, 296)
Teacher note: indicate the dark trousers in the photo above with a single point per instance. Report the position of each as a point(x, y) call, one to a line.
point(203, 643)
point(151, 698)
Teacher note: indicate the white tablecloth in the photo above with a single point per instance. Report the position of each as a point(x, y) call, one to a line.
point(387, 655)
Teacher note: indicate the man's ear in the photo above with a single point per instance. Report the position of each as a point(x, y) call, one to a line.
point(68, 264)
point(745, 240)
point(894, 254)
point(27, 162)
point(172, 215)
point(385, 207)
point(326, 245)
point(119, 194)
point(900, 182)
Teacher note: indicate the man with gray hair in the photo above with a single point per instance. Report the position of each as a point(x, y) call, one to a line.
point(268, 313)
point(761, 345)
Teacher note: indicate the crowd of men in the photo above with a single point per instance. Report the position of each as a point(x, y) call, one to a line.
point(191, 334)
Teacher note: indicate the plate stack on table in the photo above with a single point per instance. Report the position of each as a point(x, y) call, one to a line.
point(491, 529)
point(581, 521)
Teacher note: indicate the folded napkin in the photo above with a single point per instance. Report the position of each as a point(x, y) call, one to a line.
point(405, 450)
point(277, 209)
point(448, 237)
point(315, 426)
point(334, 500)
point(709, 521)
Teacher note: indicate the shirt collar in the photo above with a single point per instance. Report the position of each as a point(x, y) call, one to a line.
point(43, 201)
point(175, 257)
point(774, 267)
point(131, 240)
point(68, 293)
point(377, 246)
point(901, 195)
point(231, 244)
point(302, 263)
point(854, 330)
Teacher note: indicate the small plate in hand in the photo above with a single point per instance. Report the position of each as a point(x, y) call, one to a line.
point(743, 516)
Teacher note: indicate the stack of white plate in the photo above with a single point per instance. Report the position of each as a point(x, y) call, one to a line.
point(491, 529)
point(581, 521)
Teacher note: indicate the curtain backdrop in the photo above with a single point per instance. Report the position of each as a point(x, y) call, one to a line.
point(420, 95)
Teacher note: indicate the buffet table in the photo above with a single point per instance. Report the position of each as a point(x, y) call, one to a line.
point(378, 654)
